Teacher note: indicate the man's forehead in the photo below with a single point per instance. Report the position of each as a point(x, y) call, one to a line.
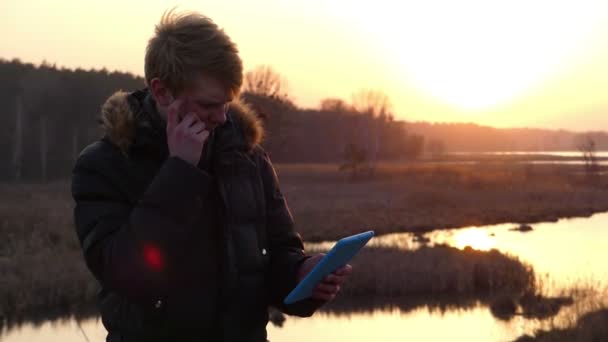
point(211, 98)
point(207, 89)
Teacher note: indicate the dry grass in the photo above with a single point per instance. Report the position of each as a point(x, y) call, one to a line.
point(43, 271)
point(438, 270)
point(438, 278)
point(426, 196)
point(585, 320)
point(41, 263)
point(592, 326)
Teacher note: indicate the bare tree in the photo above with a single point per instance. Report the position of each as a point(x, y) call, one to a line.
point(334, 105)
point(264, 80)
point(44, 147)
point(75, 145)
point(587, 147)
point(41, 91)
point(356, 162)
point(377, 106)
point(373, 102)
point(437, 148)
point(18, 145)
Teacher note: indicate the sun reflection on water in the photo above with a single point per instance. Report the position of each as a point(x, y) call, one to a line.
point(475, 238)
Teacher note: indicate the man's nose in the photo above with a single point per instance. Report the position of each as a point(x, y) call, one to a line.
point(219, 116)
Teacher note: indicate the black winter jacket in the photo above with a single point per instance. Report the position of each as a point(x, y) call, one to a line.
point(182, 252)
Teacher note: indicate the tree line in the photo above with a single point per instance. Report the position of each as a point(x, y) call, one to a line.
point(470, 137)
point(50, 114)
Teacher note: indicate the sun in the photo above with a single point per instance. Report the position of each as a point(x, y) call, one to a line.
point(476, 54)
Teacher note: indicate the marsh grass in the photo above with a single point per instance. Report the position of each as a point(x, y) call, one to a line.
point(437, 270)
point(419, 197)
point(586, 319)
point(41, 263)
point(43, 271)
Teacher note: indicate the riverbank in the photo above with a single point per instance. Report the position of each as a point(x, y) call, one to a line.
point(43, 268)
point(592, 326)
point(44, 272)
point(421, 197)
point(438, 270)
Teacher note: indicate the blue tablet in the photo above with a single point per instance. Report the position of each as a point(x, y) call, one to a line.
point(340, 254)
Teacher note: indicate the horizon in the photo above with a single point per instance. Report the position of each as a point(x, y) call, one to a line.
point(504, 62)
point(61, 67)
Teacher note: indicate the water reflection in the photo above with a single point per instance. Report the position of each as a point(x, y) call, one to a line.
point(578, 154)
point(439, 304)
point(474, 324)
point(572, 252)
point(564, 162)
point(474, 238)
point(64, 330)
point(41, 319)
point(384, 319)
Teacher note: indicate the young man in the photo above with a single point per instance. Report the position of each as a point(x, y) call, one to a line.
point(178, 208)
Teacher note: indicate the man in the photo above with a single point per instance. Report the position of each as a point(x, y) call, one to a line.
point(178, 208)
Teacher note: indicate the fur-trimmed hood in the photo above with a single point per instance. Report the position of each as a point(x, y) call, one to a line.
point(122, 117)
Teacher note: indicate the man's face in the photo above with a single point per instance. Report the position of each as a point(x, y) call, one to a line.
point(208, 99)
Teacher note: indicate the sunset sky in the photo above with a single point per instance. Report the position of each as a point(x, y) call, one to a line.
point(504, 63)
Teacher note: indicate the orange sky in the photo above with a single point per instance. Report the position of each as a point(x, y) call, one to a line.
point(541, 63)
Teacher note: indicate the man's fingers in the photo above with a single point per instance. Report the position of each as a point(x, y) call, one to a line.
point(323, 296)
point(325, 292)
point(188, 120)
point(198, 127)
point(173, 113)
point(338, 276)
point(333, 279)
point(344, 271)
point(202, 136)
point(327, 288)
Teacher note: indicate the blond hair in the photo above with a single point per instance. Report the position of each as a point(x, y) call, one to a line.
point(186, 44)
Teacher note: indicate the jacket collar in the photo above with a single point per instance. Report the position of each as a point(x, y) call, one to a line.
point(131, 121)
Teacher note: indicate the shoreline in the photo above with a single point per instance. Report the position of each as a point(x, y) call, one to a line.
point(408, 198)
point(41, 253)
point(424, 229)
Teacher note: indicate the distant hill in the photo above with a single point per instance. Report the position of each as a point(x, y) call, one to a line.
point(469, 137)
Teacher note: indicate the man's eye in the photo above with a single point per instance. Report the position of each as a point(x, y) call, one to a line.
point(210, 105)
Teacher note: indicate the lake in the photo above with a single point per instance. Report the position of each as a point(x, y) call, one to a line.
point(528, 157)
point(578, 154)
point(567, 253)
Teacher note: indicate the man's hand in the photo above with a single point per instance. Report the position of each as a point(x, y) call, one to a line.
point(187, 137)
point(329, 287)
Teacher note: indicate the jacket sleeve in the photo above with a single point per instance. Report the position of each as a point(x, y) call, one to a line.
point(132, 248)
point(286, 247)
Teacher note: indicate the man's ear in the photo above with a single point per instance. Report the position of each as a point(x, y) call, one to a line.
point(162, 95)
